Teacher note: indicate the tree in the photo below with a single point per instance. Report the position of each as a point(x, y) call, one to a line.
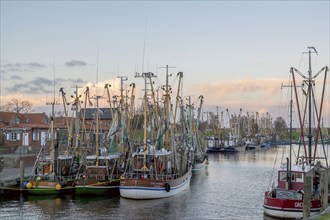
point(19, 106)
point(281, 128)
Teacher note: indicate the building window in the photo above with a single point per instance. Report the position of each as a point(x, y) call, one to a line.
point(13, 136)
point(36, 136)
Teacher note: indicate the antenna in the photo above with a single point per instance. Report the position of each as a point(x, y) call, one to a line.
point(53, 101)
point(144, 44)
point(122, 79)
point(313, 48)
point(97, 67)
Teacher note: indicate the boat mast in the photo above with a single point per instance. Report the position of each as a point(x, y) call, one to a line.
point(310, 82)
point(52, 153)
point(107, 86)
point(123, 113)
point(167, 89)
point(145, 104)
point(310, 105)
point(190, 121)
point(52, 136)
point(76, 107)
point(177, 99)
point(97, 131)
point(131, 110)
point(290, 153)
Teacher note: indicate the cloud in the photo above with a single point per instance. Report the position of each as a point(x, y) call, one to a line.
point(38, 85)
point(74, 63)
point(16, 77)
point(250, 95)
point(232, 91)
point(20, 67)
point(262, 96)
point(35, 65)
point(42, 85)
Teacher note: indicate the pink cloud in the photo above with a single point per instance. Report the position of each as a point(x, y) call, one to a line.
point(262, 96)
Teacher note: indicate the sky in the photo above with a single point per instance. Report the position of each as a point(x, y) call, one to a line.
point(236, 54)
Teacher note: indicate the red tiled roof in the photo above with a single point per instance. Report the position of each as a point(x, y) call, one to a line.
point(12, 119)
point(34, 118)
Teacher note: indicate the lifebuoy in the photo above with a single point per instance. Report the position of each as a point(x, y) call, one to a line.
point(167, 187)
point(63, 171)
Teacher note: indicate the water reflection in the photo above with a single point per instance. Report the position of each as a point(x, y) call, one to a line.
point(231, 187)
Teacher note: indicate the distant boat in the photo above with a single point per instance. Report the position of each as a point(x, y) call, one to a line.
point(227, 147)
point(265, 141)
point(251, 144)
point(214, 145)
point(298, 192)
point(264, 144)
point(199, 157)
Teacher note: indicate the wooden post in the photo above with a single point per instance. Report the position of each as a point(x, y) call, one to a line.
point(21, 171)
point(324, 189)
point(307, 196)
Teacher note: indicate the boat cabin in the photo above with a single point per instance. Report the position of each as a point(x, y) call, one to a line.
point(157, 162)
point(101, 171)
point(297, 180)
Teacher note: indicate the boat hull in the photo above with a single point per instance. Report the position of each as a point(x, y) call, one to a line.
point(288, 208)
point(153, 189)
point(50, 188)
point(229, 149)
point(198, 167)
point(97, 188)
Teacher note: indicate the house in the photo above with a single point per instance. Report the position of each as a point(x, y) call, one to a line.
point(28, 129)
point(105, 118)
point(33, 129)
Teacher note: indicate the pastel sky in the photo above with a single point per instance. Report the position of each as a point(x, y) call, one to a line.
point(234, 53)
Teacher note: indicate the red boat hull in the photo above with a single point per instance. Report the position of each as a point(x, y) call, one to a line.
point(288, 208)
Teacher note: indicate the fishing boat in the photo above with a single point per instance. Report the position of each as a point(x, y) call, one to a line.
point(302, 188)
point(161, 167)
point(100, 172)
point(55, 172)
point(50, 175)
point(96, 179)
point(195, 138)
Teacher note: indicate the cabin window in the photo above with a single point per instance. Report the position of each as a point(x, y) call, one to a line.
point(299, 177)
point(283, 176)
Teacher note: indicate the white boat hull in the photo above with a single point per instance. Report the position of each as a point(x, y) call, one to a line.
point(287, 212)
point(146, 192)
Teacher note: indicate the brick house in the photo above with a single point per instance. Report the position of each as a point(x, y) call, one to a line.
point(104, 116)
point(29, 129)
point(33, 129)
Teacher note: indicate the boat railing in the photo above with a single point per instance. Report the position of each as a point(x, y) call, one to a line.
point(289, 194)
point(49, 177)
point(150, 176)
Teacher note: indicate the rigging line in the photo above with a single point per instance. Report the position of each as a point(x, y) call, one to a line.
point(273, 171)
point(175, 79)
point(97, 68)
point(283, 151)
point(315, 63)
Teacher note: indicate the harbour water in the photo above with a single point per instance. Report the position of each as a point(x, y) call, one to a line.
point(232, 187)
